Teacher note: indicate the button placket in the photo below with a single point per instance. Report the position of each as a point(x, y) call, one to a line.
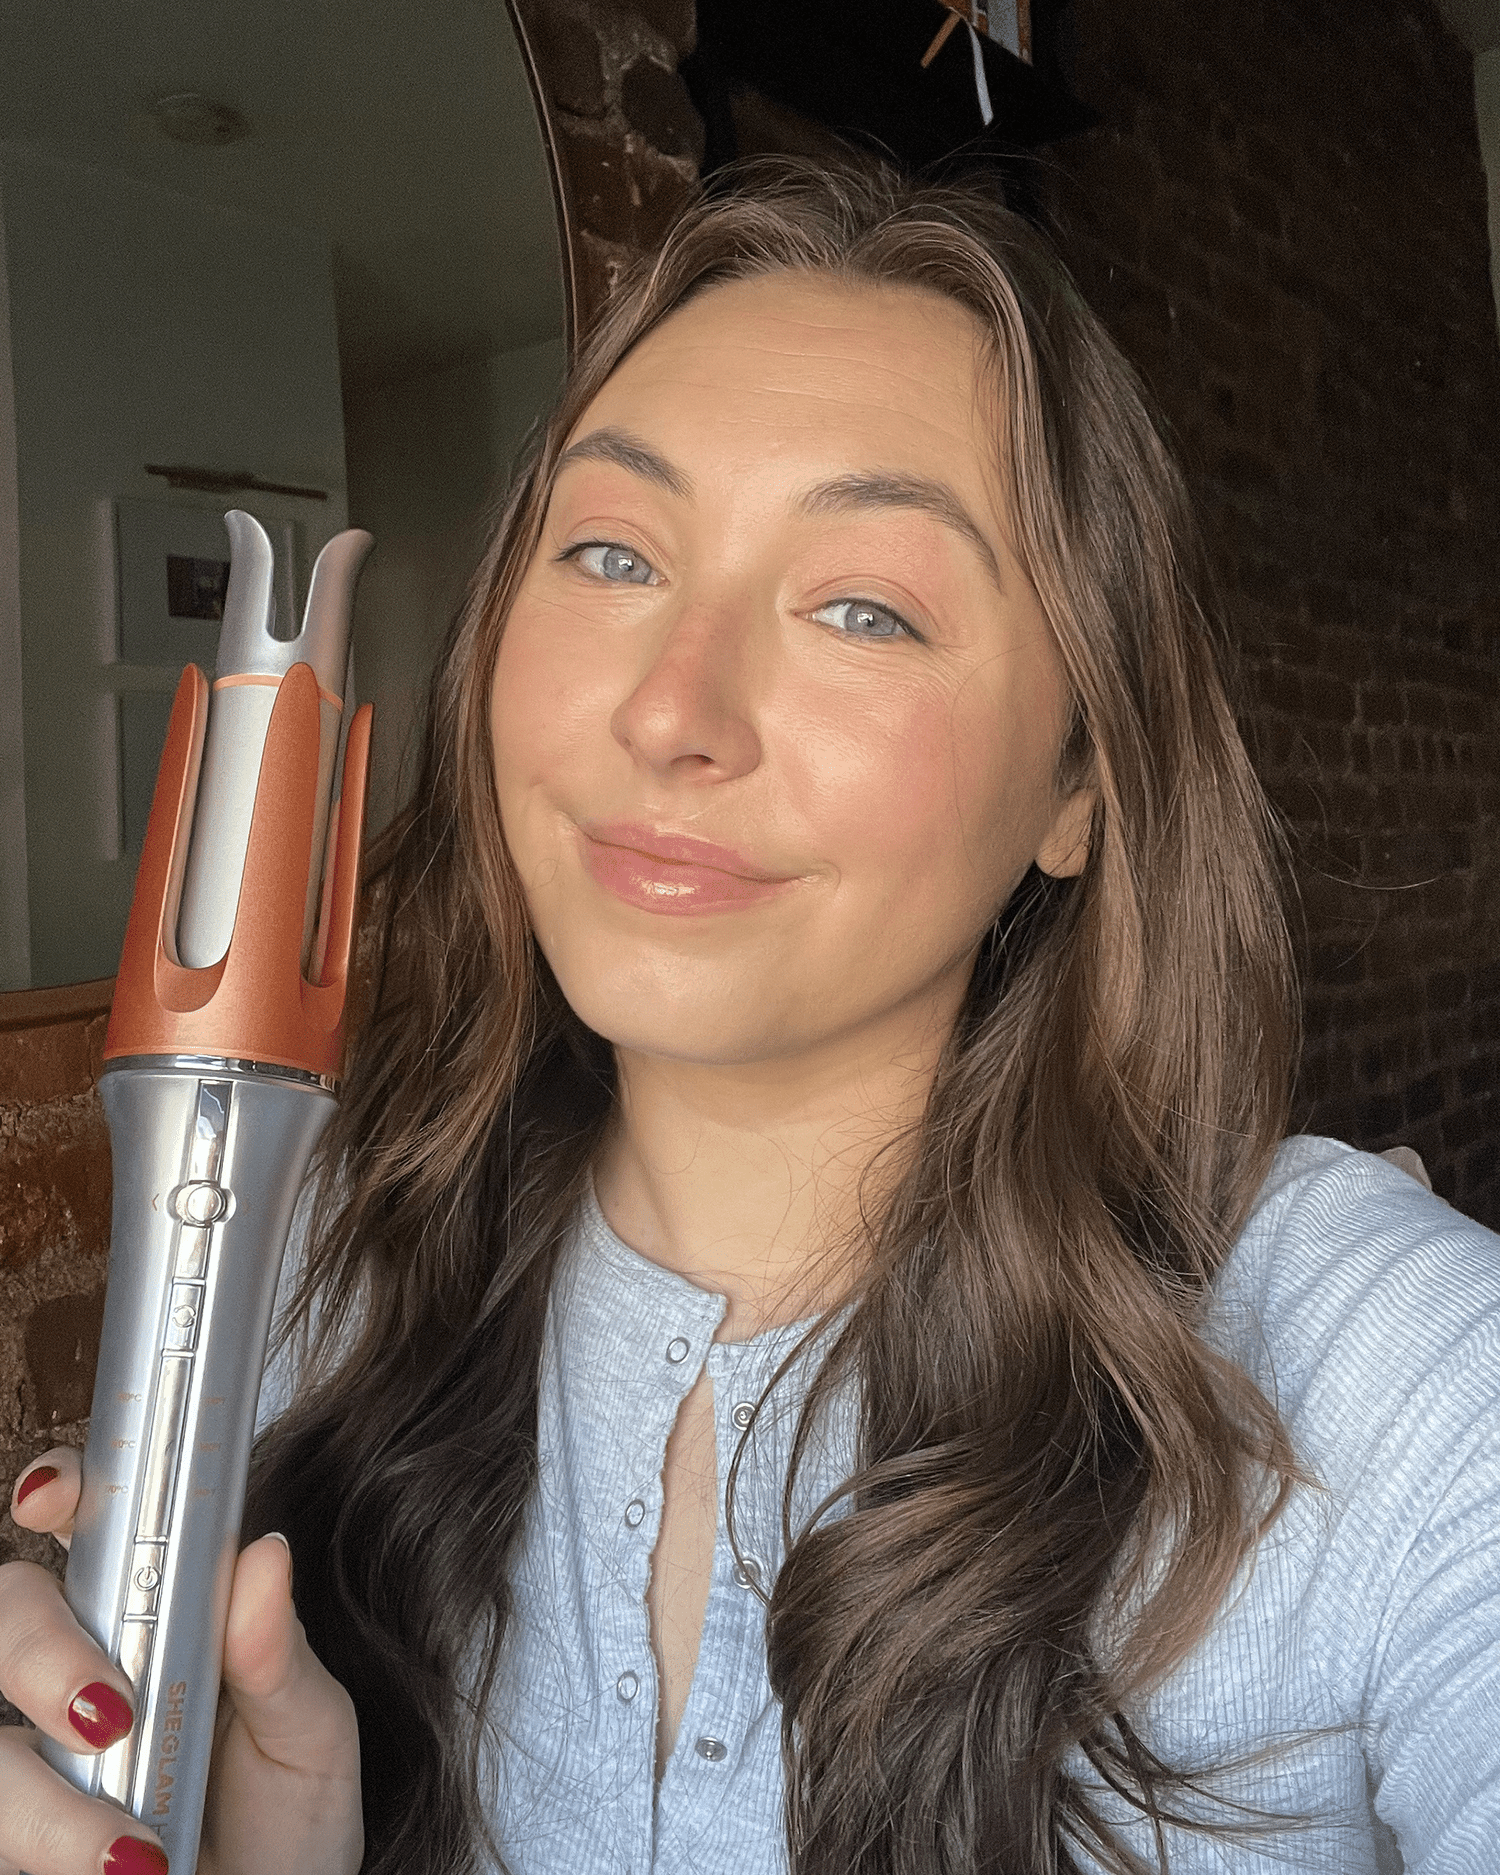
point(740, 1378)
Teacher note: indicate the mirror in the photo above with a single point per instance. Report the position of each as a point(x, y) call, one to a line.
point(299, 260)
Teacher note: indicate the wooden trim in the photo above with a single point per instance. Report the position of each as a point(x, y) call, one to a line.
point(69, 1002)
point(567, 237)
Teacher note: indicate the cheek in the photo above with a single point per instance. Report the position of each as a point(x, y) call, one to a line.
point(542, 703)
point(933, 809)
point(879, 795)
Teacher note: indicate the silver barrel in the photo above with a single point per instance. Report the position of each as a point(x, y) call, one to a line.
point(209, 1158)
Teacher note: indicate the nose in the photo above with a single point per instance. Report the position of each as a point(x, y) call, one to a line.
point(690, 714)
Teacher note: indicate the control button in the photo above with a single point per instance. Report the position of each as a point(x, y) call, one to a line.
point(714, 1749)
point(677, 1350)
point(748, 1571)
point(199, 1203)
point(627, 1686)
point(635, 1512)
point(145, 1581)
point(743, 1414)
point(182, 1317)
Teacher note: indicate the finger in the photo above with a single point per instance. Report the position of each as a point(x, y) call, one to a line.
point(46, 1493)
point(287, 1700)
point(48, 1828)
point(51, 1670)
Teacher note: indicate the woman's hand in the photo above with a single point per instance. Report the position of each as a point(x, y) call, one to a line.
point(283, 1795)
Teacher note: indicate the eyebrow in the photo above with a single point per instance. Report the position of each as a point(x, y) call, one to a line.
point(629, 453)
point(875, 489)
point(841, 495)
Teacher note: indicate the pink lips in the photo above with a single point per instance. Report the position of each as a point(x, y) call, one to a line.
point(673, 872)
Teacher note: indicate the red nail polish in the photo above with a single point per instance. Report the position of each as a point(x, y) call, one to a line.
point(100, 1715)
point(132, 1855)
point(34, 1480)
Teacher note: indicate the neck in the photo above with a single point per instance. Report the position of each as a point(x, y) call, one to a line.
point(749, 1178)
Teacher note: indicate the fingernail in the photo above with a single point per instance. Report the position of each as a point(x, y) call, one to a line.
point(34, 1480)
point(133, 1855)
point(101, 1716)
point(290, 1567)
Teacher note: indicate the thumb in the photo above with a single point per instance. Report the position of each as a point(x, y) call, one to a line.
point(294, 1710)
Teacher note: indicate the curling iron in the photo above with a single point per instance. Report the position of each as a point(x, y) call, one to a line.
point(220, 1062)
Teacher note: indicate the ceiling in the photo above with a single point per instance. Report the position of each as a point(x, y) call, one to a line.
point(404, 133)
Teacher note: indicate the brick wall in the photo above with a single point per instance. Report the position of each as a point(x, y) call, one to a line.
point(1282, 217)
point(54, 1231)
point(628, 139)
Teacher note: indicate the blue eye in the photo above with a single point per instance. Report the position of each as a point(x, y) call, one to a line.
point(623, 565)
point(862, 618)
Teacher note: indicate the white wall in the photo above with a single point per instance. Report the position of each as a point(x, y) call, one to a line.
point(143, 327)
point(428, 464)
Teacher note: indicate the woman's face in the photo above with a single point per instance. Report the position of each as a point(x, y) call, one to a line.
point(776, 713)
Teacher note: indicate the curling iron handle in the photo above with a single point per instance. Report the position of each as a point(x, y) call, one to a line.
point(210, 1161)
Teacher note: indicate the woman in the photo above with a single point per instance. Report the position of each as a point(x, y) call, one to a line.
point(810, 1351)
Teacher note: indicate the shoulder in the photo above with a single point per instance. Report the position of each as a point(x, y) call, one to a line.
point(1365, 1307)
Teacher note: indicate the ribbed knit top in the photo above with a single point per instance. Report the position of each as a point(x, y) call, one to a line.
point(1358, 1649)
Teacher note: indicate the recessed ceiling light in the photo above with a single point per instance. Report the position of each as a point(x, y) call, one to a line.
point(189, 117)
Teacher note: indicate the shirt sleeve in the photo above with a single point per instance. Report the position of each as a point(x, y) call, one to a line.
point(1433, 1709)
point(1372, 1321)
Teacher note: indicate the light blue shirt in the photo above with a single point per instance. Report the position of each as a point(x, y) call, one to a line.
point(626, 1341)
point(1368, 1311)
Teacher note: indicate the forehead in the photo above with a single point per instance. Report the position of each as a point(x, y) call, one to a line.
point(803, 365)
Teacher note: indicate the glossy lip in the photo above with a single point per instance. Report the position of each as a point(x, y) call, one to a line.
point(674, 873)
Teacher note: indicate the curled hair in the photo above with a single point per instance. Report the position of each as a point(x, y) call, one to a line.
point(1056, 1477)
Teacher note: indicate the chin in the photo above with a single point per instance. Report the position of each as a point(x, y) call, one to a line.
point(718, 1022)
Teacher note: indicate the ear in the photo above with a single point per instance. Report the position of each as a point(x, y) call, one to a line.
point(1065, 850)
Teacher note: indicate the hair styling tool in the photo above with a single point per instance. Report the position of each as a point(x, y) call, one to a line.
point(225, 1039)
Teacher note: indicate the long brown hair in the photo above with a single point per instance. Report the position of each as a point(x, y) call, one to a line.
point(1056, 1478)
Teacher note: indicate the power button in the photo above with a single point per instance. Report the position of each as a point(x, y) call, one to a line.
point(200, 1203)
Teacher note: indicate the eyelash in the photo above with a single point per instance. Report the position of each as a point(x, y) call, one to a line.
point(576, 552)
point(903, 629)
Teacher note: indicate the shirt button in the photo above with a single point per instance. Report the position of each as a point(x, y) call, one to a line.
point(635, 1510)
point(627, 1686)
point(743, 1414)
point(711, 1748)
point(747, 1571)
point(677, 1350)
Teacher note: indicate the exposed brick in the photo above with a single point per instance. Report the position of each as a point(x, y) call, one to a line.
point(657, 105)
point(54, 1183)
point(568, 57)
point(621, 194)
point(62, 1347)
point(1337, 381)
point(48, 1063)
point(675, 20)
